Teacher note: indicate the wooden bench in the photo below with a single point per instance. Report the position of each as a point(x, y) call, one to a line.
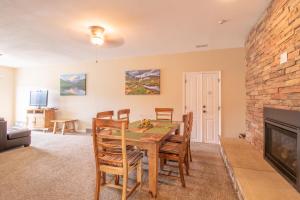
point(253, 178)
point(68, 125)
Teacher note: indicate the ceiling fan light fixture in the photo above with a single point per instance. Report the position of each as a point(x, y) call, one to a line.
point(97, 40)
point(97, 35)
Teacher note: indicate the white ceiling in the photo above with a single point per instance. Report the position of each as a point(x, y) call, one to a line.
point(55, 32)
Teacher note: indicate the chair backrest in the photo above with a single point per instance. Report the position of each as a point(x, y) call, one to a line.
point(99, 127)
point(164, 114)
point(185, 120)
point(124, 114)
point(105, 114)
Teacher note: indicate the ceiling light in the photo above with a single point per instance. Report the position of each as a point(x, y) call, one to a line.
point(222, 21)
point(97, 35)
point(97, 40)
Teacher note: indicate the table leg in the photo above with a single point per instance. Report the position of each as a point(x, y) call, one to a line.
point(153, 168)
point(54, 128)
point(63, 128)
point(177, 131)
point(74, 126)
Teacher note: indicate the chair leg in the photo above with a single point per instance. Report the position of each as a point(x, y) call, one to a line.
point(162, 162)
point(98, 184)
point(187, 165)
point(124, 189)
point(103, 178)
point(117, 179)
point(139, 173)
point(190, 153)
point(181, 172)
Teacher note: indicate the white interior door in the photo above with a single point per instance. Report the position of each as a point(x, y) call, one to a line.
point(202, 97)
point(192, 104)
point(210, 108)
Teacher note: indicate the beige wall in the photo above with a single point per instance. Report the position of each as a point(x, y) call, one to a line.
point(7, 93)
point(105, 86)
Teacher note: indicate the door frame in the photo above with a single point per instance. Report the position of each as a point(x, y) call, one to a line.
point(219, 73)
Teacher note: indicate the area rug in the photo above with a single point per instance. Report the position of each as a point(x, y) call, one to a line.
point(61, 167)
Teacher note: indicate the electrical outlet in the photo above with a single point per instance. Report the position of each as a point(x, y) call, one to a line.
point(283, 58)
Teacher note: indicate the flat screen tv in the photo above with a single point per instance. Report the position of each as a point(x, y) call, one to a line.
point(39, 98)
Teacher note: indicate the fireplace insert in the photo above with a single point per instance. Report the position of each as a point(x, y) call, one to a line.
point(282, 143)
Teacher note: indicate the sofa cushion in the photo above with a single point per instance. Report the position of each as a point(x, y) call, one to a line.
point(17, 133)
point(1, 119)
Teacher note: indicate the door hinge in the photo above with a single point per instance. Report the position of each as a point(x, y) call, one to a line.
point(219, 107)
point(185, 81)
point(185, 108)
point(219, 80)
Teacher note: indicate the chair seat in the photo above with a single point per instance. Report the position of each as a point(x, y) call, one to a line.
point(115, 146)
point(170, 148)
point(115, 159)
point(175, 138)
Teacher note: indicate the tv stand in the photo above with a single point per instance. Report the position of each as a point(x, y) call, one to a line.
point(40, 118)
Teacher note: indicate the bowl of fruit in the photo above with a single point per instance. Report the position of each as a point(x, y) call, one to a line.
point(145, 123)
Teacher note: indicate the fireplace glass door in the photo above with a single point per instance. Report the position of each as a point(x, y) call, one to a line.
point(281, 149)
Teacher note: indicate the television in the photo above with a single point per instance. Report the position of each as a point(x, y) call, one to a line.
point(39, 98)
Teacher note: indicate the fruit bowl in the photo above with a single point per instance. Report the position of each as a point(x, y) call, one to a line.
point(145, 123)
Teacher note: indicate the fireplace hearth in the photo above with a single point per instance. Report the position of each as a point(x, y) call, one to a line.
point(282, 143)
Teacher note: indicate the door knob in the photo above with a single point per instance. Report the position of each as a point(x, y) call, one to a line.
point(204, 111)
point(204, 106)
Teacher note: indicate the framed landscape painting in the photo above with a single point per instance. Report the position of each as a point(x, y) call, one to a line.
point(73, 85)
point(142, 82)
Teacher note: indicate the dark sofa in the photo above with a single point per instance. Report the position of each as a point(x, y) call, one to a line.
point(10, 138)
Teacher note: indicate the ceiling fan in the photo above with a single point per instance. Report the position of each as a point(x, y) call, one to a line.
point(99, 37)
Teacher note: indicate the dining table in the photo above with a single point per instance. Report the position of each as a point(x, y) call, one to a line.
point(148, 139)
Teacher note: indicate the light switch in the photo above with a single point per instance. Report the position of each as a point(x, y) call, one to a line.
point(283, 57)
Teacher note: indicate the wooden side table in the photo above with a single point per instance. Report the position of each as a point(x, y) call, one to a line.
point(68, 125)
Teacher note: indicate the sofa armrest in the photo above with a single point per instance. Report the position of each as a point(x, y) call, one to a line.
point(18, 133)
point(3, 134)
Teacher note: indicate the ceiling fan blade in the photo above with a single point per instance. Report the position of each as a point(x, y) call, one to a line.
point(113, 40)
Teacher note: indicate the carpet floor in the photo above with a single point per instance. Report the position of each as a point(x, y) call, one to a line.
point(61, 167)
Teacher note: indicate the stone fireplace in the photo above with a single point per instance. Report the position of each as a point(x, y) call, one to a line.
point(271, 82)
point(272, 104)
point(282, 143)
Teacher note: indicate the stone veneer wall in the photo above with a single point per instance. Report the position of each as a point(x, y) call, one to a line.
point(269, 83)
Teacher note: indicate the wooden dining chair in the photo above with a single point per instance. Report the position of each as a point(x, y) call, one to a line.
point(171, 151)
point(115, 159)
point(164, 114)
point(105, 114)
point(191, 120)
point(124, 115)
point(179, 138)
